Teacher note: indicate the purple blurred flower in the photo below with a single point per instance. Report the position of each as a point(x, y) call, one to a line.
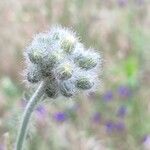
point(96, 117)
point(144, 138)
point(119, 126)
point(114, 126)
point(122, 111)
point(60, 116)
point(146, 141)
point(108, 96)
point(110, 126)
point(124, 91)
point(122, 3)
point(41, 111)
point(2, 147)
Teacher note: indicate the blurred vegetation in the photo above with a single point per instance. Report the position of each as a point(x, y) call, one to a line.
point(116, 117)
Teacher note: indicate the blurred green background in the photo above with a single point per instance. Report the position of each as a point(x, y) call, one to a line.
point(117, 116)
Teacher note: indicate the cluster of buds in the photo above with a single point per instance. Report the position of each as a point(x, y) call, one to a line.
point(59, 57)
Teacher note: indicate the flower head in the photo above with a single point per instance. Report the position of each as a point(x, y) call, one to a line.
point(59, 116)
point(96, 118)
point(59, 57)
point(146, 141)
point(124, 91)
point(108, 96)
point(122, 111)
point(112, 126)
point(41, 111)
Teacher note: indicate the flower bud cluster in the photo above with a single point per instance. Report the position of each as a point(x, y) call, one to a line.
point(59, 57)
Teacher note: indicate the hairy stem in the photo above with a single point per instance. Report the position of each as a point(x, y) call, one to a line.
point(27, 115)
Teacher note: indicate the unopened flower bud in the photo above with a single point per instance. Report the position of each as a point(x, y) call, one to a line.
point(68, 44)
point(52, 89)
point(67, 88)
point(84, 83)
point(34, 75)
point(51, 61)
point(55, 57)
point(86, 62)
point(36, 53)
point(64, 71)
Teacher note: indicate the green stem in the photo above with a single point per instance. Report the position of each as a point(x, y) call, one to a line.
point(27, 115)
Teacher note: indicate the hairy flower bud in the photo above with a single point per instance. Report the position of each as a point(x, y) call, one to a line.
point(51, 60)
point(35, 55)
point(84, 83)
point(64, 71)
point(86, 63)
point(68, 44)
point(55, 57)
point(87, 60)
point(34, 74)
point(52, 89)
point(67, 88)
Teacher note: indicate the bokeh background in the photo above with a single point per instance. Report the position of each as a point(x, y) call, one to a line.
point(117, 116)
